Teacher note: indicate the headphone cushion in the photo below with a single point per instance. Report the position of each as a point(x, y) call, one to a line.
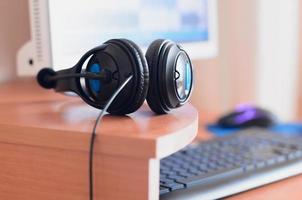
point(166, 91)
point(153, 96)
point(142, 73)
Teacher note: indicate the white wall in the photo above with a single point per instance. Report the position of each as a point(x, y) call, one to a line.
point(277, 56)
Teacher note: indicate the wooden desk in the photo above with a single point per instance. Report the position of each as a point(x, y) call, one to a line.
point(44, 143)
point(44, 139)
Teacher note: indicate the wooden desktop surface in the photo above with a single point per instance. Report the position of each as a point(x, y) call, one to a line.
point(44, 144)
point(10, 95)
point(26, 104)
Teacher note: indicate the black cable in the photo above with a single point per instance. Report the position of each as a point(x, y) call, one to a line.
point(93, 135)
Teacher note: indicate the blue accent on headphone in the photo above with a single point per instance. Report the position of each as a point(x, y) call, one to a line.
point(188, 76)
point(95, 85)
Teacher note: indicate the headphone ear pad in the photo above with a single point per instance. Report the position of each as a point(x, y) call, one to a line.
point(140, 76)
point(170, 76)
point(153, 96)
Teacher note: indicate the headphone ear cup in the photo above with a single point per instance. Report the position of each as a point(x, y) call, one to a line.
point(153, 96)
point(140, 72)
point(171, 76)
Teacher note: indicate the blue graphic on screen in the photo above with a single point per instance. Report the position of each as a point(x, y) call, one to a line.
point(179, 20)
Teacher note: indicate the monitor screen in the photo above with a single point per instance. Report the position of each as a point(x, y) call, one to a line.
point(77, 26)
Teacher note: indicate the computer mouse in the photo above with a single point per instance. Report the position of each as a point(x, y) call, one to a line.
point(245, 116)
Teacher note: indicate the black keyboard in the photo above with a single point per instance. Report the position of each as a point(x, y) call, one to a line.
point(220, 159)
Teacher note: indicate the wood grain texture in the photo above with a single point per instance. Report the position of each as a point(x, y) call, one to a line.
point(29, 172)
point(44, 142)
point(67, 123)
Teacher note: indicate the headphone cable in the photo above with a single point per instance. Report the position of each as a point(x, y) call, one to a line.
point(93, 135)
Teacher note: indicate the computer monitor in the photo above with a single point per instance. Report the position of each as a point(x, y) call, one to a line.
point(63, 30)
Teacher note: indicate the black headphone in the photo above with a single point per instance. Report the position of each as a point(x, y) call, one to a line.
point(164, 77)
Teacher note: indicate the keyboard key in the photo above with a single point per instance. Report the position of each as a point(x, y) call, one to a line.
point(260, 164)
point(174, 177)
point(186, 174)
point(271, 162)
point(174, 186)
point(249, 168)
point(207, 178)
point(166, 180)
point(163, 190)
